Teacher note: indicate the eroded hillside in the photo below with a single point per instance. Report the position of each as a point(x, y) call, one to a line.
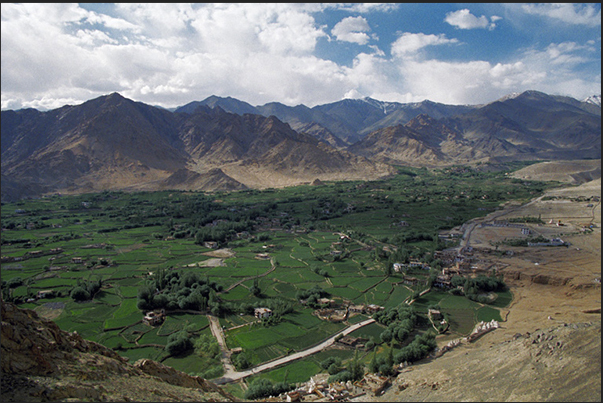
point(42, 363)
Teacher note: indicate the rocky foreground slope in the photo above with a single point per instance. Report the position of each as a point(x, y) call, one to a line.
point(561, 363)
point(42, 363)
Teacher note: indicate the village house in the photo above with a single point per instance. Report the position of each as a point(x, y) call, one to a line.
point(354, 342)
point(154, 317)
point(356, 308)
point(434, 314)
point(411, 281)
point(45, 294)
point(35, 253)
point(326, 301)
point(262, 313)
point(398, 267)
point(77, 260)
point(442, 281)
point(372, 308)
point(211, 244)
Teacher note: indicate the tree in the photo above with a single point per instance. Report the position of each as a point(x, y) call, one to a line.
point(241, 362)
point(255, 288)
point(179, 343)
point(80, 294)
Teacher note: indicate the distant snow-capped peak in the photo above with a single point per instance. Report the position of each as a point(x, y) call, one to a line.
point(594, 99)
point(385, 106)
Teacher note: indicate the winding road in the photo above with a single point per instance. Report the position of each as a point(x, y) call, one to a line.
point(232, 375)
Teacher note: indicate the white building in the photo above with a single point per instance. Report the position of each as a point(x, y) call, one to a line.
point(262, 313)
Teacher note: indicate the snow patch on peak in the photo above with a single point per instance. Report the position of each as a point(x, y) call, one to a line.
point(510, 96)
point(594, 99)
point(385, 106)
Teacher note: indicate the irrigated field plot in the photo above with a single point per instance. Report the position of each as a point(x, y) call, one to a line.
point(111, 257)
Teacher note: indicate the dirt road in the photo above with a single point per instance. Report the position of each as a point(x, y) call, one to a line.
point(232, 375)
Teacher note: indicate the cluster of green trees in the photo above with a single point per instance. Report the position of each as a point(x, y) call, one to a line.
point(240, 361)
point(528, 219)
point(416, 350)
point(179, 343)
point(475, 288)
point(383, 364)
point(278, 306)
point(208, 350)
point(319, 271)
point(86, 289)
point(8, 286)
point(524, 241)
point(222, 232)
point(400, 322)
point(312, 296)
point(353, 370)
point(262, 387)
point(173, 289)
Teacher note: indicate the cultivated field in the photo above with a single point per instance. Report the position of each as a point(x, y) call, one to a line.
point(272, 245)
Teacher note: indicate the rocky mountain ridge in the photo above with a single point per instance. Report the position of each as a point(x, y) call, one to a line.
point(41, 362)
point(113, 143)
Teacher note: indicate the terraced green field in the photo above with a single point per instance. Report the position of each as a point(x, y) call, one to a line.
point(340, 237)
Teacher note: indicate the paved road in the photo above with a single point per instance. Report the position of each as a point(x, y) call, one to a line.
point(233, 376)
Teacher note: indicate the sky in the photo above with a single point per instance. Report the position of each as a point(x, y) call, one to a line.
point(171, 54)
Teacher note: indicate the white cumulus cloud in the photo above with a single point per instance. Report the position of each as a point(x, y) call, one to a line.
point(411, 43)
point(352, 29)
point(576, 14)
point(463, 19)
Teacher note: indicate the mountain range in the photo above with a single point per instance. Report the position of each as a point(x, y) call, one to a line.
point(112, 143)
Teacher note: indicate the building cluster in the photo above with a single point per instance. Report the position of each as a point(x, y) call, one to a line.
point(319, 389)
point(402, 267)
point(353, 342)
point(339, 312)
point(481, 329)
point(31, 254)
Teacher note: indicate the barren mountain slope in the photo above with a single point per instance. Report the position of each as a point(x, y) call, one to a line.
point(557, 363)
point(572, 172)
point(41, 363)
point(548, 347)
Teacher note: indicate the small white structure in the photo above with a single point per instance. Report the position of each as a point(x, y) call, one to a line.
point(154, 317)
point(262, 313)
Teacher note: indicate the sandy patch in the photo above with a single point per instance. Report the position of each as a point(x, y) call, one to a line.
point(50, 310)
point(216, 262)
point(221, 253)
